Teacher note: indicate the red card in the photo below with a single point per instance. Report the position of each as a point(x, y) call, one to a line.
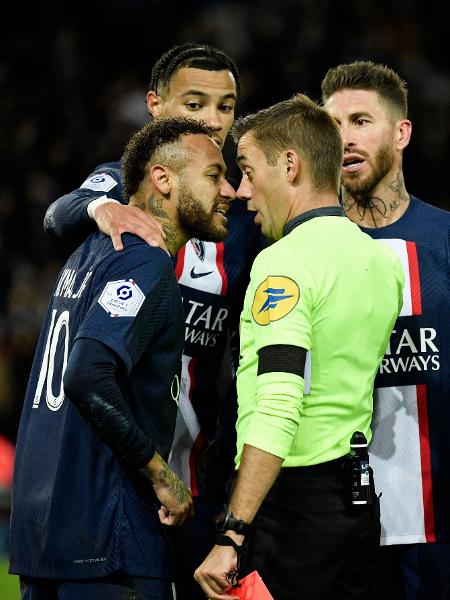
point(252, 587)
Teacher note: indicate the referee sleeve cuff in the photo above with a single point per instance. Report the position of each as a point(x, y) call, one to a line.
point(275, 419)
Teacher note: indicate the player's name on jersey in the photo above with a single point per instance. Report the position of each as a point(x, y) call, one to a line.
point(67, 285)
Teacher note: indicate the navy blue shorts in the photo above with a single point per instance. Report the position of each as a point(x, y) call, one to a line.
point(116, 586)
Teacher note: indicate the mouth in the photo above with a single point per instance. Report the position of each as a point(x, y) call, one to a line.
point(352, 163)
point(222, 210)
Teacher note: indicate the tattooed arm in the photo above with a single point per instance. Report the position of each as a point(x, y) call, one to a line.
point(175, 497)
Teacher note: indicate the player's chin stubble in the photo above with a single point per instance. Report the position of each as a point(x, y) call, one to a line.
point(196, 221)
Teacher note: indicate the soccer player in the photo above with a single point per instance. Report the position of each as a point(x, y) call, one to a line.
point(91, 484)
point(410, 451)
point(318, 312)
point(202, 82)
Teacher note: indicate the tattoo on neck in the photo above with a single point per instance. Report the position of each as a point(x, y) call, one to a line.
point(140, 205)
point(373, 207)
point(397, 187)
point(348, 203)
point(171, 233)
point(155, 207)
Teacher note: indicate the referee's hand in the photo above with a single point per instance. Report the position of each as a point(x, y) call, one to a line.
point(175, 497)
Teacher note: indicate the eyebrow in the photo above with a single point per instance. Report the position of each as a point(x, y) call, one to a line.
point(218, 166)
point(231, 95)
point(359, 114)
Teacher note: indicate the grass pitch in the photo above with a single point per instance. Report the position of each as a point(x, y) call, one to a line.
point(9, 584)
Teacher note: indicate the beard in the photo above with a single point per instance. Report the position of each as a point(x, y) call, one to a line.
point(195, 220)
point(360, 188)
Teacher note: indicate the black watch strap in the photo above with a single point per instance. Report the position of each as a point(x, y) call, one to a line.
point(225, 540)
point(227, 521)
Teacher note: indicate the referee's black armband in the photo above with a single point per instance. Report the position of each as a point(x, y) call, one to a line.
point(282, 358)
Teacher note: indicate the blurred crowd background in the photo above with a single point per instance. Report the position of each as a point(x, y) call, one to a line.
point(73, 79)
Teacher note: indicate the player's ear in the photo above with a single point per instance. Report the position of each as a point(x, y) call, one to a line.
point(161, 177)
point(403, 132)
point(154, 103)
point(292, 164)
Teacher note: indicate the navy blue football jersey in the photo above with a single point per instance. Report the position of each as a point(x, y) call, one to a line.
point(213, 278)
point(410, 448)
point(76, 512)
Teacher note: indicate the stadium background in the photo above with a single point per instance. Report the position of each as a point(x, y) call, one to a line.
point(72, 86)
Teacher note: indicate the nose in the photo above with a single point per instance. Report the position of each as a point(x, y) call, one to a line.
point(347, 136)
point(213, 119)
point(227, 191)
point(244, 192)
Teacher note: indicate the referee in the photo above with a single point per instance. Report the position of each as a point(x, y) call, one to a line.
point(317, 316)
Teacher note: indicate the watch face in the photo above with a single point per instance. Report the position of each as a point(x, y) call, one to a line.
point(220, 520)
point(228, 522)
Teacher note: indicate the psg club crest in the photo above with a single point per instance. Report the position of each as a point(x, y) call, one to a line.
point(199, 248)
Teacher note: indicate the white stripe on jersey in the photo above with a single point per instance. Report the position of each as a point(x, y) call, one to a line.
point(399, 247)
point(395, 450)
point(396, 462)
point(307, 374)
point(187, 427)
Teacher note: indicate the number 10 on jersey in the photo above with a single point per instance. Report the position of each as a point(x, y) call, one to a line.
point(58, 327)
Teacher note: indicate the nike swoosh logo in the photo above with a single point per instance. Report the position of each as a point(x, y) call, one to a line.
point(195, 275)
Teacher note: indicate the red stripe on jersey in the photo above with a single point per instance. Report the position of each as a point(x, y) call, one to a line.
point(198, 446)
point(424, 437)
point(221, 268)
point(200, 439)
point(414, 279)
point(180, 262)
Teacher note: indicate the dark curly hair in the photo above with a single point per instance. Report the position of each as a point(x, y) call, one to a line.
point(196, 56)
point(143, 145)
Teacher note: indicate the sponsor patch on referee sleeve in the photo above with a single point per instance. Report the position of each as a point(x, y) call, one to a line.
point(100, 182)
point(122, 298)
point(274, 298)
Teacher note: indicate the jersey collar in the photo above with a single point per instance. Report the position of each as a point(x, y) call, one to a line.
point(326, 211)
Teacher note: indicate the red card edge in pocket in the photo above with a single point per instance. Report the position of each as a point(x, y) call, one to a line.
point(251, 587)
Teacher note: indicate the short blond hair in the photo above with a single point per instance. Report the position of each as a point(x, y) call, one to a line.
point(301, 124)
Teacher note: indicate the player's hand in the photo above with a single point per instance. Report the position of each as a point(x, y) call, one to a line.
point(211, 575)
point(113, 219)
point(175, 497)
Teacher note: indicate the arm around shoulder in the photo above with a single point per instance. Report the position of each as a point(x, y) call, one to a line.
point(69, 216)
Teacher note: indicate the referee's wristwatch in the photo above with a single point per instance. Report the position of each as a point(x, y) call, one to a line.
point(226, 521)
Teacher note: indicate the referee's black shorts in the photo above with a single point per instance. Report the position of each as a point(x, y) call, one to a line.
point(308, 542)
